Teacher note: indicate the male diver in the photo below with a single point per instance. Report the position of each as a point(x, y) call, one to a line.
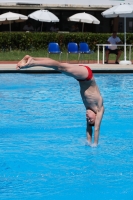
point(89, 91)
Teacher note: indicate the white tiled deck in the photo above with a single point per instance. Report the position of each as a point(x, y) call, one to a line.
point(96, 68)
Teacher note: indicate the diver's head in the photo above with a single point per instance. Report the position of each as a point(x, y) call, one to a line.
point(91, 117)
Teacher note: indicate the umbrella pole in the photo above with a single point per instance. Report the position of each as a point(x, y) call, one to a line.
point(125, 62)
point(124, 38)
point(10, 32)
point(82, 27)
point(41, 26)
point(10, 26)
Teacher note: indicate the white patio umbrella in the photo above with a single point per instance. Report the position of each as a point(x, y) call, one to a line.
point(122, 10)
point(84, 18)
point(43, 16)
point(10, 17)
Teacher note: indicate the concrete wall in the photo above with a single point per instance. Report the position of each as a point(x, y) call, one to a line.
point(70, 2)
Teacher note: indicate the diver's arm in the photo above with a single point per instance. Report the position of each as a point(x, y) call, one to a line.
point(97, 125)
point(89, 133)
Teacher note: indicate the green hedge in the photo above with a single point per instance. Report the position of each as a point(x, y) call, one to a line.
point(40, 40)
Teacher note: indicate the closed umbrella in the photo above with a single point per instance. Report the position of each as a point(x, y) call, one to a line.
point(123, 10)
point(43, 16)
point(84, 18)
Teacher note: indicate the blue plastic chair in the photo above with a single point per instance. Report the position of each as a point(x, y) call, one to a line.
point(53, 48)
point(84, 49)
point(72, 48)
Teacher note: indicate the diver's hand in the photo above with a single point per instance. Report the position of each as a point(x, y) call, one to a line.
point(87, 143)
point(94, 145)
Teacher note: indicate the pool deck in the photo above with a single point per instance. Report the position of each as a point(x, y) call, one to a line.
point(10, 67)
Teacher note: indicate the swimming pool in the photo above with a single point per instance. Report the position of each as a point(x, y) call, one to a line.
point(42, 139)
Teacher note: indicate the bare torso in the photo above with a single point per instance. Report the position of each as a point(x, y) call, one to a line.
point(90, 94)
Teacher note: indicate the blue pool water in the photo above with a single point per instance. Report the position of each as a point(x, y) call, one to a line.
point(42, 139)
